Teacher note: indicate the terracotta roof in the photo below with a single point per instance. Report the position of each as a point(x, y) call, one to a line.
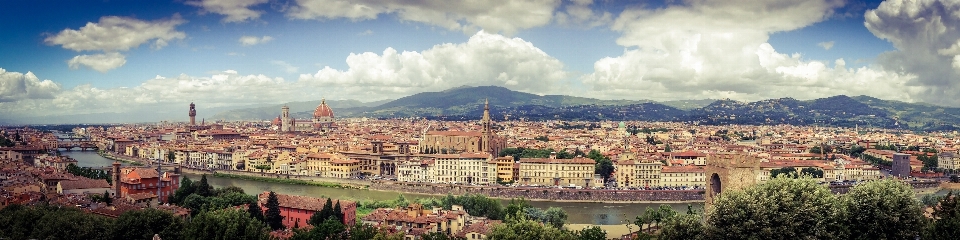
point(84, 183)
point(455, 133)
point(579, 160)
point(303, 202)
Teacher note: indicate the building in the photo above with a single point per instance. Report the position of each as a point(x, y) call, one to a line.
point(286, 122)
point(948, 161)
point(451, 142)
point(682, 176)
point(84, 186)
point(637, 173)
point(414, 220)
point(576, 172)
point(505, 169)
point(901, 165)
point(297, 210)
point(193, 115)
point(323, 117)
point(464, 168)
point(131, 181)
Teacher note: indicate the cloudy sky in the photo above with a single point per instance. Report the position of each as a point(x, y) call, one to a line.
point(66, 58)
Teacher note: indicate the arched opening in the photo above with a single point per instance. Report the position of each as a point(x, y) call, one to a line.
point(715, 184)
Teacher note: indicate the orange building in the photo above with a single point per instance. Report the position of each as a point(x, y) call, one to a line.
point(145, 181)
point(299, 209)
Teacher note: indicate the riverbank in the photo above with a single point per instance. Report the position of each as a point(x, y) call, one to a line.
point(285, 181)
point(546, 194)
point(110, 156)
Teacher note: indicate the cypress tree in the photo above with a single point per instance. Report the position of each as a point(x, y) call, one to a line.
point(255, 211)
point(337, 213)
point(203, 188)
point(273, 217)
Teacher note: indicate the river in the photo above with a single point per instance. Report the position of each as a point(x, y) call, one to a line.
point(579, 213)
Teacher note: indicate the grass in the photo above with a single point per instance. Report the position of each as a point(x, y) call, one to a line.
point(282, 180)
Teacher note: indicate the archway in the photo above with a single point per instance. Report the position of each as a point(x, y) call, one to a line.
point(715, 184)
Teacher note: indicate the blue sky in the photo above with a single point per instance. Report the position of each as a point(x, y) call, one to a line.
point(62, 58)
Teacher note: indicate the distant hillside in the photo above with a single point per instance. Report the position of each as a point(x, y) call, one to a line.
point(297, 110)
point(466, 103)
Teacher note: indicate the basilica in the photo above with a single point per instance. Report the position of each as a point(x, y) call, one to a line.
point(322, 120)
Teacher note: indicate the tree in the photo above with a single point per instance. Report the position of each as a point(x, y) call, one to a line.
point(329, 229)
point(171, 156)
point(225, 224)
point(875, 206)
point(255, 211)
point(515, 209)
point(667, 148)
point(525, 229)
point(106, 198)
point(273, 217)
point(203, 188)
point(946, 219)
point(325, 213)
point(338, 213)
point(813, 172)
point(787, 171)
point(682, 227)
point(555, 217)
point(143, 224)
point(782, 208)
point(186, 188)
point(592, 233)
point(361, 231)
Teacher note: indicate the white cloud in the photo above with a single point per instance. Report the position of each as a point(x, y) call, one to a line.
point(485, 59)
point(227, 88)
point(234, 10)
point(926, 36)
point(826, 45)
point(579, 13)
point(366, 33)
point(254, 40)
point(100, 62)
point(494, 16)
point(719, 49)
point(286, 66)
point(112, 35)
point(15, 86)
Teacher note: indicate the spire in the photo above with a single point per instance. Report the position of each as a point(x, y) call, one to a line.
point(486, 104)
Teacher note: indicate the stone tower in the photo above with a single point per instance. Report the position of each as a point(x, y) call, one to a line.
point(116, 179)
point(485, 138)
point(193, 114)
point(286, 123)
point(729, 171)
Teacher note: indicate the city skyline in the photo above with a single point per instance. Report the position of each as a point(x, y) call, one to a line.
point(237, 53)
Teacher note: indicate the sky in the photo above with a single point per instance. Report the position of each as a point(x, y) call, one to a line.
point(84, 57)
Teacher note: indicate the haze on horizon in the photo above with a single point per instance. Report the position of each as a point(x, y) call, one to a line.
point(99, 59)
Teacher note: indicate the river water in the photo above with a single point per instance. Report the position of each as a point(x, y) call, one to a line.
point(579, 213)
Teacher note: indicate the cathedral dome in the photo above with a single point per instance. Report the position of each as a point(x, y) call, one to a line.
point(323, 110)
point(276, 121)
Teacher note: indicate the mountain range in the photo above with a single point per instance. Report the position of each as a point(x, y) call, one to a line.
point(466, 103)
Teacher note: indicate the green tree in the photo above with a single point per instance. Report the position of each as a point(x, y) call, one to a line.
point(592, 233)
point(325, 213)
point(51, 222)
point(329, 229)
point(525, 229)
point(203, 188)
point(338, 213)
point(875, 206)
point(682, 227)
point(787, 171)
point(171, 156)
point(226, 224)
point(555, 217)
point(196, 204)
point(361, 231)
point(813, 172)
point(273, 217)
point(946, 219)
point(186, 188)
point(255, 211)
point(782, 208)
point(515, 209)
point(143, 224)
point(107, 198)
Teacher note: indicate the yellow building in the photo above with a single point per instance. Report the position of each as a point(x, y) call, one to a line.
point(578, 172)
point(682, 176)
point(344, 168)
point(635, 173)
point(505, 169)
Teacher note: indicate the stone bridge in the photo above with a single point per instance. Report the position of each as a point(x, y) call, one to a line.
point(82, 145)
